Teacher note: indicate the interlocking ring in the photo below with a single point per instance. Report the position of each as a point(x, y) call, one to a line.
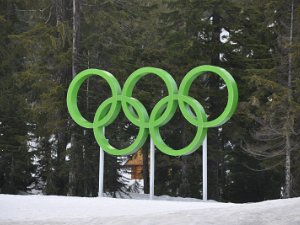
point(161, 114)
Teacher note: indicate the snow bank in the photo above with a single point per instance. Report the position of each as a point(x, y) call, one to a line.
point(37, 209)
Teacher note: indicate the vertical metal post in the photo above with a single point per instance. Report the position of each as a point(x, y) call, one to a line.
point(204, 168)
point(101, 171)
point(152, 165)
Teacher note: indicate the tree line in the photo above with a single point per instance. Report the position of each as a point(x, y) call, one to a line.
point(44, 44)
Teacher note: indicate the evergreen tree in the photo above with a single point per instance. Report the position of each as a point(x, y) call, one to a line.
point(276, 136)
point(16, 156)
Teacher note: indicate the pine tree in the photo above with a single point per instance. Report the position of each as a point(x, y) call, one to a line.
point(276, 133)
point(16, 156)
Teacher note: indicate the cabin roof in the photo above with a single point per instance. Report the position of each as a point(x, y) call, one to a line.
point(136, 160)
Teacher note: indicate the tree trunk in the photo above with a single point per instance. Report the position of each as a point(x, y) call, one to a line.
point(287, 189)
point(214, 82)
point(62, 113)
point(288, 186)
point(73, 176)
point(76, 36)
point(60, 11)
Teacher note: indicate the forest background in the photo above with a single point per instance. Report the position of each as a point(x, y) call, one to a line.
point(44, 44)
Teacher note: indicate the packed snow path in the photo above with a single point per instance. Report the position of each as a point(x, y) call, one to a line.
point(52, 210)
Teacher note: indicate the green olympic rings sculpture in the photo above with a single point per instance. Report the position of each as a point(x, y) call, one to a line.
point(161, 114)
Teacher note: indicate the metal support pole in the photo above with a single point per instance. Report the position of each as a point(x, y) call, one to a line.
point(152, 165)
point(101, 171)
point(204, 168)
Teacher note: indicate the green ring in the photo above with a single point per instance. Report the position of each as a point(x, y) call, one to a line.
point(132, 81)
point(104, 143)
point(197, 140)
point(73, 93)
point(231, 89)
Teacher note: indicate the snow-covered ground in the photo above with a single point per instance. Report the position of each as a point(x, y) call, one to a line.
point(52, 210)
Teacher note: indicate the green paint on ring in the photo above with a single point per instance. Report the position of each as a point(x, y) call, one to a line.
point(161, 114)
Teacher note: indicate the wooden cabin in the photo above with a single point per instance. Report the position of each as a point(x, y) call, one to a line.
point(136, 165)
